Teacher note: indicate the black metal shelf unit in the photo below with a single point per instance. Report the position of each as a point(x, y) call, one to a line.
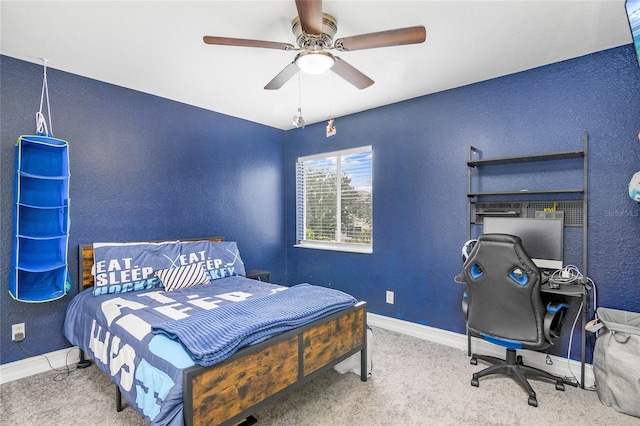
point(474, 197)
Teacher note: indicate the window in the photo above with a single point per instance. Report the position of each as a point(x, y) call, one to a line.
point(334, 200)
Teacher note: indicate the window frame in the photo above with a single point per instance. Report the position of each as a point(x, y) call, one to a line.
point(301, 204)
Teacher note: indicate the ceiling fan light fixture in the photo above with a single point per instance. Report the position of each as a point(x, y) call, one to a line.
point(315, 62)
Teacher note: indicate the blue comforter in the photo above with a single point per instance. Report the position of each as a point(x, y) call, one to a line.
point(115, 330)
point(212, 336)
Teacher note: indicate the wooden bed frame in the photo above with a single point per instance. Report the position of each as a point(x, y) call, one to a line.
point(229, 392)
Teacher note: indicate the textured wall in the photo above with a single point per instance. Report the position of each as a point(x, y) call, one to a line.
point(147, 168)
point(142, 168)
point(420, 180)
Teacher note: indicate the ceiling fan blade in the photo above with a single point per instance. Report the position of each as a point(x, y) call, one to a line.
point(282, 77)
point(397, 37)
point(349, 73)
point(310, 14)
point(227, 41)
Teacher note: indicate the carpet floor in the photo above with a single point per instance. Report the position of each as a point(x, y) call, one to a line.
point(414, 382)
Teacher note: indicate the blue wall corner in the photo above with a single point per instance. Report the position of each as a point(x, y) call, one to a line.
point(142, 168)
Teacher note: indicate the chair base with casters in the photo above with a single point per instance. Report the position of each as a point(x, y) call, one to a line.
point(513, 367)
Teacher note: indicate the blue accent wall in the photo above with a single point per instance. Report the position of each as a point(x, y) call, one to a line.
point(420, 148)
point(142, 168)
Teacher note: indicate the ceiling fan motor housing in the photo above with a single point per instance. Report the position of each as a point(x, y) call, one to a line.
point(315, 42)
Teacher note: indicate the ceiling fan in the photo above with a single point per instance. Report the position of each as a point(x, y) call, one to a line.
point(314, 31)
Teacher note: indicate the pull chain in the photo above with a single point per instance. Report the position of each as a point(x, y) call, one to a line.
point(331, 129)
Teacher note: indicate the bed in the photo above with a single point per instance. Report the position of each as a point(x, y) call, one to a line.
point(155, 374)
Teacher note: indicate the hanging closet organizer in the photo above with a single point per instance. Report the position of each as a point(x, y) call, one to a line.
point(39, 270)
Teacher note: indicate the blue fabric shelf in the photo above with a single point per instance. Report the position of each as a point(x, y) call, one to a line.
point(39, 270)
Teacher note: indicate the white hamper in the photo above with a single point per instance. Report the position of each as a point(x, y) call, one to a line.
point(616, 360)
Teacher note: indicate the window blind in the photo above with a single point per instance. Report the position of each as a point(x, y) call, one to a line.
point(334, 200)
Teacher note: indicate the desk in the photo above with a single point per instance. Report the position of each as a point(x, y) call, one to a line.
point(577, 291)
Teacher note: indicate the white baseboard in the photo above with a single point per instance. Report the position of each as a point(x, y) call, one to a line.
point(560, 366)
point(28, 367)
point(38, 364)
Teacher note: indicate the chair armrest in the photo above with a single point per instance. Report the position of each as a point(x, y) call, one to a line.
point(553, 319)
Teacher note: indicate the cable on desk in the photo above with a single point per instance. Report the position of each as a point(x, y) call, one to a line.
point(571, 275)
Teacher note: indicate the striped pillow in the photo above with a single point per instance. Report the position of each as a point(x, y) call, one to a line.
point(183, 276)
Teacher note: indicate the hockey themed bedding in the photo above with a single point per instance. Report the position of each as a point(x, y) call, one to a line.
point(212, 336)
point(144, 335)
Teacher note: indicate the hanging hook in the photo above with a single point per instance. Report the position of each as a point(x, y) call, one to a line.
point(41, 124)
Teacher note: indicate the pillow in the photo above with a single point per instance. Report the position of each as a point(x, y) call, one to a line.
point(125, 267)
point(183, 276)
point(219, 259)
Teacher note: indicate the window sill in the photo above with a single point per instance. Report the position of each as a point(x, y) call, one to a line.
point(345, 247)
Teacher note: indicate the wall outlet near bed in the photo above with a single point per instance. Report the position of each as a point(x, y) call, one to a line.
point(390, 297)
point(17, 332)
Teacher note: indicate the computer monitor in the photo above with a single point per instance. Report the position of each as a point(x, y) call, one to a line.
point(541, 238)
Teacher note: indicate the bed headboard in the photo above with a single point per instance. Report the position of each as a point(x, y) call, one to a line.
point(85, 259)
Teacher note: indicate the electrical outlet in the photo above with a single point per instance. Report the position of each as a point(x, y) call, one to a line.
point(390, 297)
point(18, 332)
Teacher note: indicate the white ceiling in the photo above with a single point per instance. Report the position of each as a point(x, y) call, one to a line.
point(156, 47)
